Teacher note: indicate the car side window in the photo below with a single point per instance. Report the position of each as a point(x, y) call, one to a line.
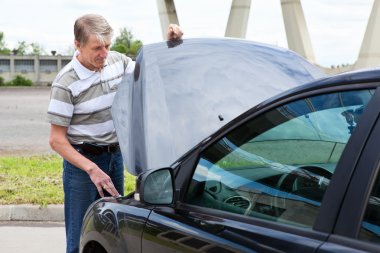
point(370, 228)
point(278, 165)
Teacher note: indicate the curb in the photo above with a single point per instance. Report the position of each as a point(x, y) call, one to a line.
point(31, 213)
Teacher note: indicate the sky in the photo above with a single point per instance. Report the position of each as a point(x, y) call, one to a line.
point(336, 27)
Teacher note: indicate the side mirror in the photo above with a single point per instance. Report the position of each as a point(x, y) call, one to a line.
point(155, 187)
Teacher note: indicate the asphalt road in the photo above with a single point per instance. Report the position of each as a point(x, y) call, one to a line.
point(32, 237)
point(24, 132)
point(23, 129)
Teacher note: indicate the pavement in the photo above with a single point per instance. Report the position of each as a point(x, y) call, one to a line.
point(23, 127)
point(52, 213)
point(25, 132)
point(32, 237)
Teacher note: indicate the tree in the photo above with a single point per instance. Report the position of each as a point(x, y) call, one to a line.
point(70, 50)
point(126, 44)
point(3, 48)
point(22, 48)
point(135, 47)
point(2, 42)
point(36, 49)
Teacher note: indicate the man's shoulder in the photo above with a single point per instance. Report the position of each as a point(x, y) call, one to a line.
point(66, 76)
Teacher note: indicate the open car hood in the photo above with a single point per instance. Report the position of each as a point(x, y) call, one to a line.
point(181, 92)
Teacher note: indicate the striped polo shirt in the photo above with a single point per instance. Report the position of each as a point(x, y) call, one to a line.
point(81, 99)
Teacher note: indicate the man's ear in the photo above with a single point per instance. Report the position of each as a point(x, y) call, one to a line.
point(77, 44)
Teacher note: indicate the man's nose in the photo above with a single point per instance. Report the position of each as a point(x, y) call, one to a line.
point(104, 52)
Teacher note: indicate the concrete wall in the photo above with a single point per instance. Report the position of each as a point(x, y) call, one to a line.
point(41, 69)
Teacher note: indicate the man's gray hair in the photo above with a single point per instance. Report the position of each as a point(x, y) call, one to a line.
point(92, 24)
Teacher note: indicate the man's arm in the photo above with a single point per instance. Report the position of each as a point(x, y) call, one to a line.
point(59, 143)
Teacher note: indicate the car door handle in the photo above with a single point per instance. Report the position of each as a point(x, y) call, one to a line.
point(210, 226)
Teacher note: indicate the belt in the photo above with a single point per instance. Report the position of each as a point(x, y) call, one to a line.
point(96, 149)
point(112, 148)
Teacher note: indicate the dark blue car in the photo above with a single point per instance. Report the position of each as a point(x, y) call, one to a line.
point(242, 147)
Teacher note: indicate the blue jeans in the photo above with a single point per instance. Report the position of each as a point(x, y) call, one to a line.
point(80, 192)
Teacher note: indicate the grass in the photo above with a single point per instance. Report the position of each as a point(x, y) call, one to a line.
point(36, 180)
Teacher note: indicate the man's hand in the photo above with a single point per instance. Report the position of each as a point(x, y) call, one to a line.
point(174, 32)
point(59, 142)
point(102, 182)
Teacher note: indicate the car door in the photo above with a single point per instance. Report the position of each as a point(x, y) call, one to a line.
point(259, 184)
point(358, 223)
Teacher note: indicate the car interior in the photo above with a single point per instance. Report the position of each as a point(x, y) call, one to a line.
point(277, 166)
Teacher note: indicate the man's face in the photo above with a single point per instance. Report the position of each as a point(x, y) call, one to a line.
point(94, 53)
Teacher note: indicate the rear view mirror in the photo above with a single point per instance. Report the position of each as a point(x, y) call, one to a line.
point(155, 187)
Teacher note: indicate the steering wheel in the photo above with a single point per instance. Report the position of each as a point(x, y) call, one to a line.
point(303, 176)
point(305, 181)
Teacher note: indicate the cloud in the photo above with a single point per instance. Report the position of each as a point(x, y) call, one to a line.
point(336, 27)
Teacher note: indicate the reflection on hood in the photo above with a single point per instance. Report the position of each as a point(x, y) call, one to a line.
point(180, 95)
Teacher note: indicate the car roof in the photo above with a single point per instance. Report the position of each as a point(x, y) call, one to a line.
point(359, 77)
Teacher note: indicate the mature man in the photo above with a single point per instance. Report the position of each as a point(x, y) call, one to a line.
point(82, 130)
